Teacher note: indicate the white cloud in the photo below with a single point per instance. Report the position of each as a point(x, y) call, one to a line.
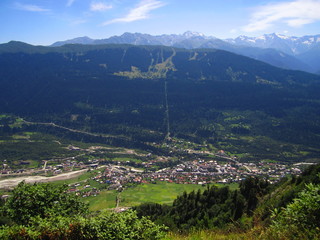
point(70, 2)
point(141, 11)
point(99, 7)
point(293, 13)
point(30, 8)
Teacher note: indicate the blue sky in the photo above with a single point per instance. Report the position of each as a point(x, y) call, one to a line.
point(42, 22)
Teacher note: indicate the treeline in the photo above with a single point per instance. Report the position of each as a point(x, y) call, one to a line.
point(213, 207)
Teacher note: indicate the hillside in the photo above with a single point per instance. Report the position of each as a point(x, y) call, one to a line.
point(207, 64)
point(147, 94)
point(257, 210)
point(213, 207)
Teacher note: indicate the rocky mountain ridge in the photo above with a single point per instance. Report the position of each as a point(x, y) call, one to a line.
point(297, 53)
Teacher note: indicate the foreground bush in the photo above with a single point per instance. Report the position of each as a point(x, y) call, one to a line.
point(44, 211)
point(301, 218)
point(42, 200)
point(106, 225)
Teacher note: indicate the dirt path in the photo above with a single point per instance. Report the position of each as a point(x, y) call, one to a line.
point(12, 182)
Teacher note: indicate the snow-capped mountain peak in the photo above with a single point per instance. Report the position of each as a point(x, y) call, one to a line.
point(190, 34)
point(286, 44)
point(282, 36)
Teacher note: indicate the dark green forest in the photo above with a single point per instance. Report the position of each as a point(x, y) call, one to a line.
point(139, 95)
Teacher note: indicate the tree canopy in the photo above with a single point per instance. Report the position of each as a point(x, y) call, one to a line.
point(42, 200)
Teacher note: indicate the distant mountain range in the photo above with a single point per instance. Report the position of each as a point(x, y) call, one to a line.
point(297, 53)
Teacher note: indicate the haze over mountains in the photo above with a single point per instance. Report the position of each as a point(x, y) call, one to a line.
point(297, 53)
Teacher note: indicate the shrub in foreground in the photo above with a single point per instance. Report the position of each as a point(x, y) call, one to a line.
point(301, 218)
point(106, 225)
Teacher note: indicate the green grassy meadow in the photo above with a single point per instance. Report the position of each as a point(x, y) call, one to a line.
point(162, 192)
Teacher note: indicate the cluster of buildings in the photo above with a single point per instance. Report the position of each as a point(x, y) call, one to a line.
point(191, 172)
point(85, 190)
point(205, 168)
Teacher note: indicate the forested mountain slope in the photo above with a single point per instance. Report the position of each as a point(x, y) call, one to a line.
point(146, 93)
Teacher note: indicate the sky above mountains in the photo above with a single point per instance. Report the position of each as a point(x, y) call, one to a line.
point(42, 22)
